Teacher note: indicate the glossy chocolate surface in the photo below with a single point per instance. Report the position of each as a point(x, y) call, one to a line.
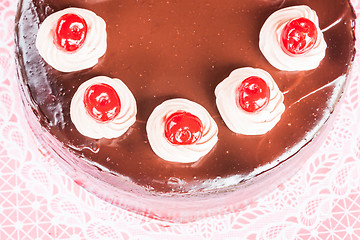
point(167, 49)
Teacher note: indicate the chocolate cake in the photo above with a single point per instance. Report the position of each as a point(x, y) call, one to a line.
point(164, 50)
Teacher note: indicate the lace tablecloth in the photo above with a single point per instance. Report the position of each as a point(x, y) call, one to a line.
point(38, 201)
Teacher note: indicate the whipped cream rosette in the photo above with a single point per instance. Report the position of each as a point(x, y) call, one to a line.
point(249, 101)
point(103, 107)
point(72, 39)
point(181, 131)
point(291, 39)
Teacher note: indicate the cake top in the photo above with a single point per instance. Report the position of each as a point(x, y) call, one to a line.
point(167, 50)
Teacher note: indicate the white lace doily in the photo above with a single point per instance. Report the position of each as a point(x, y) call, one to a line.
point(38, 201)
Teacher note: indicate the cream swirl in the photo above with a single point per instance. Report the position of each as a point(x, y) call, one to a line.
point(239, 120)
point(85, 57)
point(88, 126)
point(155, 128)
point(270, 44)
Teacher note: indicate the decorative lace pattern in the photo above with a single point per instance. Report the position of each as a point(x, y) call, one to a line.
point(38, 201)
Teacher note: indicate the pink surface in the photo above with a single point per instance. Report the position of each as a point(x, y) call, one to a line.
point(38, 201)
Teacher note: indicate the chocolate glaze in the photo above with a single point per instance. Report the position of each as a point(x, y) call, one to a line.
point(166, 49)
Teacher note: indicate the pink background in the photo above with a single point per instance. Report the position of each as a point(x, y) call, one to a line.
point(38, 201)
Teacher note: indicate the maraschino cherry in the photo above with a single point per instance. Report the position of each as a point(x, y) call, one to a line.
point(70, 32)
point(298, 36)
point(253, 94)
point(102, 102)
point(183, 128)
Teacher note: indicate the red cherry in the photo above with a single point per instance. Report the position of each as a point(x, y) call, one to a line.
point(183, 128)
point(70, 32)
point(102, 102)
point(298, 36)
point(253, 94)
